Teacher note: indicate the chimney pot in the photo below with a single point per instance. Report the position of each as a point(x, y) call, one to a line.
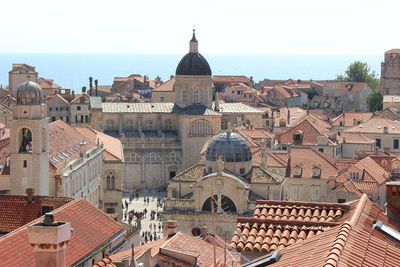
point(171, 228)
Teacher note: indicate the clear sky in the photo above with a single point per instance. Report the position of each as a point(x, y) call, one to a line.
point(339, 27)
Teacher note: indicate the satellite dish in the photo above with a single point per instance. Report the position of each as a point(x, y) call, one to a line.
point(196, 231)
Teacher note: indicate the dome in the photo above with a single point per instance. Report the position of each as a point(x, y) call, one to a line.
point(29, 93)
point(193, 64)
point(233, 148)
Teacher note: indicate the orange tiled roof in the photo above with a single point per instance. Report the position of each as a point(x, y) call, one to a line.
point(168, 86)
point(376, 125)
point(186, 244)
point(64, 143)
point(92, 228)
point(355, 242)
point(230, 79)
point(278, 224)
point(47, 84)
point(113, 147)
point(356, 138)
point(350, 119)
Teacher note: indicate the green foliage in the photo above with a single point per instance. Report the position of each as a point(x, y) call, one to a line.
point(359, 72)
point(308, 106)
point(312, 93)
point(375, 101)
point(357, 109)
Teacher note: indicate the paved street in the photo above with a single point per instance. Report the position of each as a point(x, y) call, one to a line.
point(139, 205)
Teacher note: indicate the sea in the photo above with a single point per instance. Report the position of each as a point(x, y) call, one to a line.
point(72, 70)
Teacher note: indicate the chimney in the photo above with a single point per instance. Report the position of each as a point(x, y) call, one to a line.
point(49, 240)
point(203, 230)
point(216, 101)
point(385, 130)
point(96, 82)
point(29, 194)
point(171, 228)
point(90, 85)
point(288, 116)
point(82, 148)
point(84, 89)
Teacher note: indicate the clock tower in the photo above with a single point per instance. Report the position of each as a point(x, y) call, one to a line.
point(29, 163)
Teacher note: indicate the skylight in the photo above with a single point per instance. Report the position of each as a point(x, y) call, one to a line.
point(387, 230)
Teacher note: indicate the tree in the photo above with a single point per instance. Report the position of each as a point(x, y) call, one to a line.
point(375, 101)
point(360, 72)
point(312, 93)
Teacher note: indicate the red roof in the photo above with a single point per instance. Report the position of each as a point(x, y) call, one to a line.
point(16, 211)
point(355, 242)
point(231, 79)
point(278, 224)
point(92, 228)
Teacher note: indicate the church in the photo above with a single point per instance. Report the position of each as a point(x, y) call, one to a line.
point(161, 139)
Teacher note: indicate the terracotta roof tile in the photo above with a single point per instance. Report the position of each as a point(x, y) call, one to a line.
point(350, 119)
point(278, 224)
point(92, 228)
point(353, 243)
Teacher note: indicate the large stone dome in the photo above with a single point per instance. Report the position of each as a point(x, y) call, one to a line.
point(29, 93)
point(193, 64)
point(233, 148)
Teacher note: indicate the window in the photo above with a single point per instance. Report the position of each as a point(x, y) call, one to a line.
point(316, 173)
point(78, 108)
point(341, 123)
point(341, 200)
point(49, 108)
point(209, 170)
point(321, 150)
point(110, 125)
point(173, 157)
point(66, 108)
point(267, 123)
point(67, 119)
point(295, 193)
point(110, 180)
point(200, 128)
point(297, 172)
point(196, 97)
point(396, 144)
point(86, 118)
point(378, 142)
point(148, 125)
point(56, 108)
point(242, 171)
point(168, 125)
point(394, 191)
point(130, 125)
point(25, 164)
point(133, 157)
point(315, 194)
point(152, 157)
point(53, 118)
point(183, 96)
point(162, 99)
point(110, 210)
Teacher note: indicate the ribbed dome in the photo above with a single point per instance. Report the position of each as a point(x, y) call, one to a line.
point(233, 148)
point(29, 93)
point(193, 64)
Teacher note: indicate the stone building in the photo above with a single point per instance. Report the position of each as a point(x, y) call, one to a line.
point(56, 159)
point(163, 138)
point(21, 73)
point(227, 181)
point(390, 73)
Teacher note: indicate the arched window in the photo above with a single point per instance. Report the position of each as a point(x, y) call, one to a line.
point(133, 157)
point(152, 157)
point(130, 125)
point(227, 204)
point(167, 125)
point(148, 125)
point(173, 157)
point(110, 180)
point(26, 140)
point(110, 125)
point(200, 128)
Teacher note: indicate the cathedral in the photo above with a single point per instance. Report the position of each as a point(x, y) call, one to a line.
point(161, 139)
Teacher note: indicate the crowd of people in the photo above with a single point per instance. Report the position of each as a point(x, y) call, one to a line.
point(154, 216)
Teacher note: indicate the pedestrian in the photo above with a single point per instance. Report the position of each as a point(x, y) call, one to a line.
point(159, 227)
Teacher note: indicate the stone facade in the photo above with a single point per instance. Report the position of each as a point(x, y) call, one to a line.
point(21, 73)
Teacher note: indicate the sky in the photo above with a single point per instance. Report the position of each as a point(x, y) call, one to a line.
point(340, 27)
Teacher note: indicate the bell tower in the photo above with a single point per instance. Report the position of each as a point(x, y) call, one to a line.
point(29, 161)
